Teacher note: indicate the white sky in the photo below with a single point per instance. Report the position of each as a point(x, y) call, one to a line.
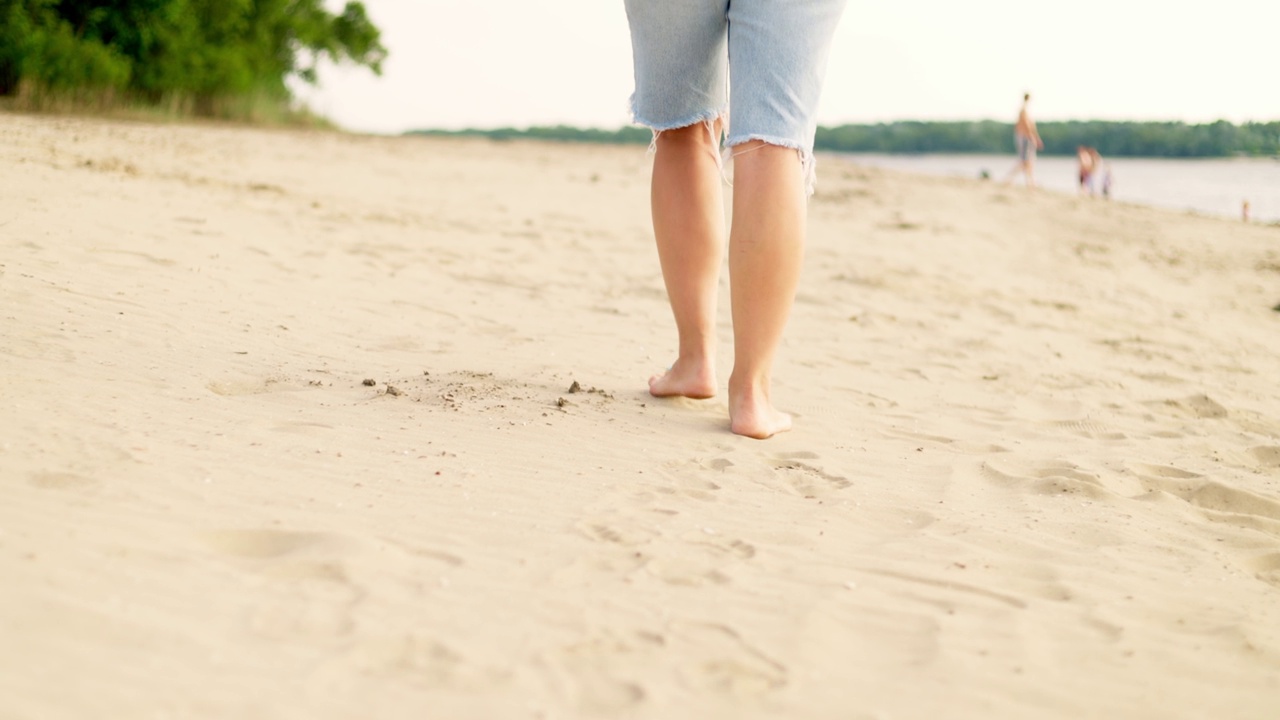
point(490, 63)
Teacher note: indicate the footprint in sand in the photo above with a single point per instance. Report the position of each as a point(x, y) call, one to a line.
point(708, 566)
point(235, 387)
point(61, 481)
point(716, 658)
point(1267, 456)
point(689, 478)
point(692, 478)
point(1090, 429)
point(588, 672)
point(807, 480)
point(423, 662)
point(723, 549)
point(306, 601)
point(697, 488)
point(687, 571)
point(1267, 568)
point(261, 543)
point(307, 594)
point(1200, 407)
point(1048, 479)
point(1055, 479)
point(1218, 502)
point(616, 532)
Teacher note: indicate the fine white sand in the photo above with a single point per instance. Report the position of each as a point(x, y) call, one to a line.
point(1035, 471)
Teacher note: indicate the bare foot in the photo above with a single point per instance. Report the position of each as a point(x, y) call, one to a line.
point(752, 415)
point(685, 379)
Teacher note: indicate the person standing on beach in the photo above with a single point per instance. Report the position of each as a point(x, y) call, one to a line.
point(1027, 140)
point(685, 55)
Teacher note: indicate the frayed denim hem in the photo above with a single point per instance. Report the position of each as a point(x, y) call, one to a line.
point(706, 118)
point(808, 163)
point(702, 117)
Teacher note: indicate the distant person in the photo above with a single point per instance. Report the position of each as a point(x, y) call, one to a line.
point(684, 53)
point(1244, 211)
point(1090, 165)
point(1027, 141)
point(1085, 167)
point(1096, 158)
point(1106, 181)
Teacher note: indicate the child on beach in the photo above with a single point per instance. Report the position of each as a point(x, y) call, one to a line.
point(1087, 166)
point(682, 54)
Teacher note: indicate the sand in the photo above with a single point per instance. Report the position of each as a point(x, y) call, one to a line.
point(311, 425)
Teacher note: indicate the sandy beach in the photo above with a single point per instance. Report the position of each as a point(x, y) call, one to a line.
point(311, 425)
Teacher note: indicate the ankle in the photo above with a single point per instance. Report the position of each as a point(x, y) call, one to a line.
point(696, 356)
point(748, 388)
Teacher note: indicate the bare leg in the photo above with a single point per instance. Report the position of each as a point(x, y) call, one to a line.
point(688, 223)
point(766, 249)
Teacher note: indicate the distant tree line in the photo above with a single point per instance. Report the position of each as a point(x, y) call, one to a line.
point(629, 135)
point(196, 53)
point(1130, 139)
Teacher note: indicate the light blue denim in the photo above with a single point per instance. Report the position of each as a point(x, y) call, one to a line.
point(759, 64)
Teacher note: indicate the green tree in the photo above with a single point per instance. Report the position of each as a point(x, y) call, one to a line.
point(36, 44)
point(204, 51)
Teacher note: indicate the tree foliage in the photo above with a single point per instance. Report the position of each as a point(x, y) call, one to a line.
point(203, 50)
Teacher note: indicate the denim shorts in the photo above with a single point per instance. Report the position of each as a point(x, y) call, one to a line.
point(758, 64)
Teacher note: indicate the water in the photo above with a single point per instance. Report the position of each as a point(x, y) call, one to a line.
point(1211, 186)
